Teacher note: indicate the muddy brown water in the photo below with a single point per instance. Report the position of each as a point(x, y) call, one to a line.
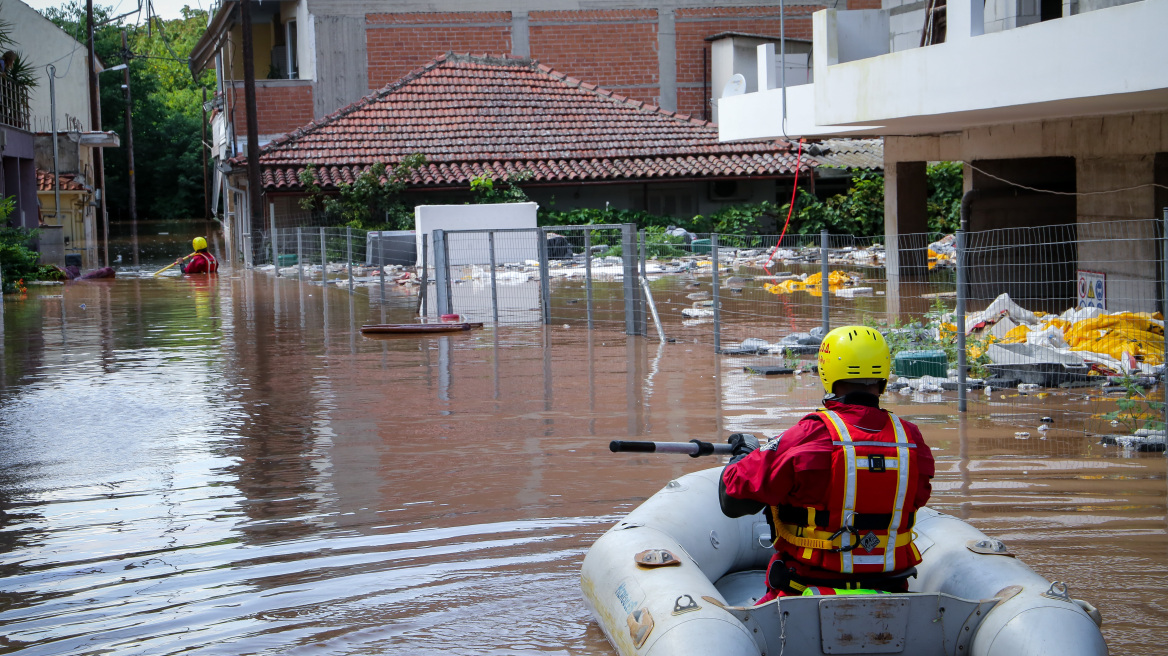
point(230, 467)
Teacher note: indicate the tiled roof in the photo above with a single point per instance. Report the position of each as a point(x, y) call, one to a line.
point(470, 115)
point(850, 154)
point(68, 181)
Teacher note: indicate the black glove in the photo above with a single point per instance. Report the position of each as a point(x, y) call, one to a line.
point(741, 445)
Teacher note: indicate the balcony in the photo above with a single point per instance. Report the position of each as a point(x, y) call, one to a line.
point(14, 108)
point(1099, 62)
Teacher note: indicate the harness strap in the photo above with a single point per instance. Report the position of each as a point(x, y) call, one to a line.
point(809, 538)
point(817, 517)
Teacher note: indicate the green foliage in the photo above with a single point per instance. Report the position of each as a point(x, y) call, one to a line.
point(589, 216)
point(167, 114)
point(17, 259)
point(488, 190)
point(660, 245)
point(858, 212)
point(1135, 410)
point(735, 220)
point(933, 333)
point(945, 191)
point(371, 202)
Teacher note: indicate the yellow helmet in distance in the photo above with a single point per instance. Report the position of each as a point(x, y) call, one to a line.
point(199, 243)
point(853, 352)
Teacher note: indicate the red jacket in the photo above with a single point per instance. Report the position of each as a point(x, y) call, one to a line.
point(202, 262)
point(796, 469)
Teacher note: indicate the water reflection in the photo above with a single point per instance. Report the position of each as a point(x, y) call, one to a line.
point(227, 465)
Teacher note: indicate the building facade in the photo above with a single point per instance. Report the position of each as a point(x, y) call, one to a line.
point(1058, 110)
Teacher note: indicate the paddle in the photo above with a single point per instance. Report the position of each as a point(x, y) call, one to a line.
point(175, 264)
point(692, 448)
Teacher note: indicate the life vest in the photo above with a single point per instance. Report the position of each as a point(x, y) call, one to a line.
point(209, 264)
point(870, 506)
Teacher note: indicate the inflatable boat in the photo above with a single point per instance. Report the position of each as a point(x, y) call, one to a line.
point(677, 577)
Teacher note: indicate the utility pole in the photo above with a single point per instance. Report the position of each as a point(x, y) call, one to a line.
point(253, 138)
point(130, 153)
point(95, 124)
point(203, 149)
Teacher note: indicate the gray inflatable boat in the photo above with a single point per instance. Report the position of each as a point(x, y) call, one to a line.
point(677, 577)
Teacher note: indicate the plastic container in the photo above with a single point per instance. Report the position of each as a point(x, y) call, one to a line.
point(700, 246)
point(286, 260)
point(914, 364)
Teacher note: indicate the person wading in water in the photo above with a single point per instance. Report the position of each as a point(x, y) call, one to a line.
point(201, 261)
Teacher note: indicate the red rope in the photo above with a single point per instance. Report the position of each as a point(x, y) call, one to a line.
point(790, 209)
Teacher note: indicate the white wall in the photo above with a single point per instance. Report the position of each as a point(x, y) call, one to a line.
point(472, 249)
point(39, 42)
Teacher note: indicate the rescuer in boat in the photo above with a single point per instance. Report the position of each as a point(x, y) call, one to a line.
point(201, 261)
point(841, 488)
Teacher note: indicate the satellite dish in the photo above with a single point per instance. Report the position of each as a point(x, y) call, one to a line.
point(735, 87)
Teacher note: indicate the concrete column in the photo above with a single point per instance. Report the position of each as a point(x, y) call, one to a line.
point(667, 58)
point(520, 33)
point(905, 212)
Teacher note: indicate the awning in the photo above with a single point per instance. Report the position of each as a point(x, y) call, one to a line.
point(209, 44)
point(100, 140)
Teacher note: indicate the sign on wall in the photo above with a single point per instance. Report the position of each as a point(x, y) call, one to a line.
point(1092, 289)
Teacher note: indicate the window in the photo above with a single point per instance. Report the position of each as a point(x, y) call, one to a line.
point(292, 65)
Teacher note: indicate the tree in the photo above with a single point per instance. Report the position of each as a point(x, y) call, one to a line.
point(167, 114)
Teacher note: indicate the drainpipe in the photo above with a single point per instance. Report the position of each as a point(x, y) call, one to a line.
point(966, 209)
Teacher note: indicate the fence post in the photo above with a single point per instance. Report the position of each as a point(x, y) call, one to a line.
point(381, 264)
point(717, 299)
point(275, 249)
point(441, 274)
point(643, 263)
point(823, 280)
point(425, 278)
point(349, 262)
point(588, 274)
point(960, 311)
point(300, 251)
point(323, 261)
point(629, 267)
point(1164, 312)
point(545, 295)
point(494, 291)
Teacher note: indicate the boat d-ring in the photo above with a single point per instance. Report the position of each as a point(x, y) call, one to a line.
point(1058, 590)
point(685, 604)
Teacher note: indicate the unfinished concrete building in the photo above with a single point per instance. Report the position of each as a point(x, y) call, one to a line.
point(1069, 98)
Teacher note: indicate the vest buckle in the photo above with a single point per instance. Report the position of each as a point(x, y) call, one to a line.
point(876, 464)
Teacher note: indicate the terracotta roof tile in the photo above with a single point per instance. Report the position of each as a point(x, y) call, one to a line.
point(468, 115)
point(68, 181)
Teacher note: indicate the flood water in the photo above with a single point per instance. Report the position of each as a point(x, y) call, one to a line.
point(230, 467)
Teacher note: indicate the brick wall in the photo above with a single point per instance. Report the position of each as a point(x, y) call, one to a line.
point(694, 25)
point(616, 49)
point(281, 106)
point(400, 43)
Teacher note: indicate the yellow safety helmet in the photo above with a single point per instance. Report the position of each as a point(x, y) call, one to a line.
point(853, 352)
point(199, 243)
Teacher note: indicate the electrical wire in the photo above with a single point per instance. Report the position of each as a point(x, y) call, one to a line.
point(1064, 193)
point(790, 209)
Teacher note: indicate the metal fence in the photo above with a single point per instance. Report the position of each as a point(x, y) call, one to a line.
point(1017, 321)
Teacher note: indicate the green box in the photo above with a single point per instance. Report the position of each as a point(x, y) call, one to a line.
point(287, 260)
point(700, 246)
point(914, 364)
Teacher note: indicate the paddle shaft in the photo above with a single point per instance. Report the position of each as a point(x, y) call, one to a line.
point(170, 266)
point(692, 448)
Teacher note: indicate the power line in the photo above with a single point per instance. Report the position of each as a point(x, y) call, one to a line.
point(1064, 193)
